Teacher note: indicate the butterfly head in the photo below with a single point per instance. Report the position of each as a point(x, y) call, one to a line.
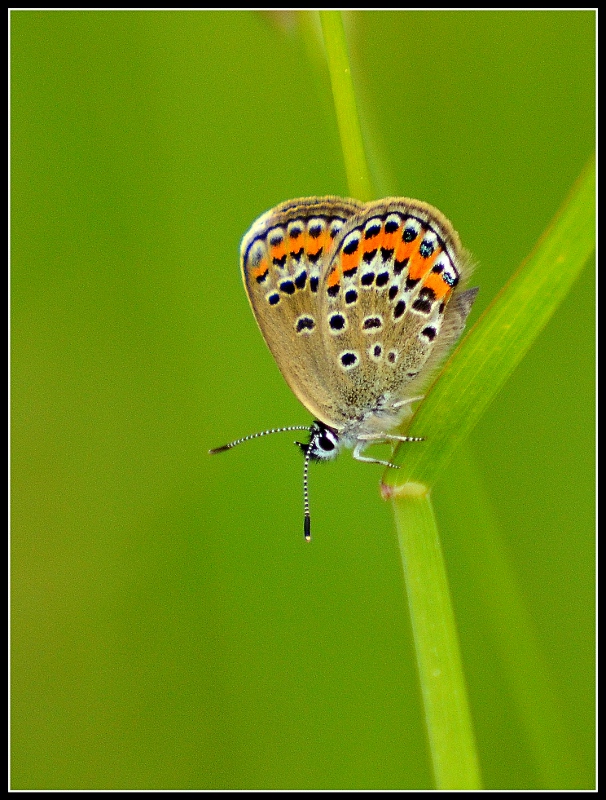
point(324, 443)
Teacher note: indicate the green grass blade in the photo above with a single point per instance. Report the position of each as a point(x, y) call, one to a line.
point(479, 367)
point(450, 733)
point(528, 675)
point(356, 166)
point(447, 715)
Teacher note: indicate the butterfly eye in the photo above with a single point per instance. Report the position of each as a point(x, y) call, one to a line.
point(324, 443)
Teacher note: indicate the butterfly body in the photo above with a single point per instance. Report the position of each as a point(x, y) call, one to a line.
point(358, 303)
point(355, 301)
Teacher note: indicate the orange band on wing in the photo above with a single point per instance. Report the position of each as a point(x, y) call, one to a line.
point(406, 250)
point(350, 261)
point(372, 244)
point(278, 251)
point(436, 282)
point(256, 272)
point(419, 266)
point(314, 246)
point(390, 240)
point(333, 277)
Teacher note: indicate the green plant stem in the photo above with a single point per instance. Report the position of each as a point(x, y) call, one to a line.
point(488, 570)
point(451, 740)
point(473, 376)
point(447, 715)
point(479, 367)
point(356, 166)
point(471, 379)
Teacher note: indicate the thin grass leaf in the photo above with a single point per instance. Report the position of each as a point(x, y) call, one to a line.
point(358, 175)
point(449, 726)
point(487, 356)
point(527, 673)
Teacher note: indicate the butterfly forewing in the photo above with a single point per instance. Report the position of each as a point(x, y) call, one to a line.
point(284, 258)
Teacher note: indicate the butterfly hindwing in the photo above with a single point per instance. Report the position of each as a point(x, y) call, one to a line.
point(387, 304)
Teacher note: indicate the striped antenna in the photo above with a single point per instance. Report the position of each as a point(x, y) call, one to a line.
point(308, 450)
point(256, 436)
point(306, 517)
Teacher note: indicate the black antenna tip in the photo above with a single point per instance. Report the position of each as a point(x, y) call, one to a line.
point(221, 449)
point(307, 528)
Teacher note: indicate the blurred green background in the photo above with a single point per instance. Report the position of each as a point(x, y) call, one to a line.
point(171, 628)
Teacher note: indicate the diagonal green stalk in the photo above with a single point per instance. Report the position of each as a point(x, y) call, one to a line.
point(479, 367)
point(450, 731)
point(470, 380)
point(358, 175)
point(472, 377)
point(525, 670)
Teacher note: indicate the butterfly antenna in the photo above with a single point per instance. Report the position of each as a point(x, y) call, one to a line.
point(306, 518)
point(256, 436)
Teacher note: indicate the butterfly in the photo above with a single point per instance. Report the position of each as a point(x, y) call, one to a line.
point(358, 303)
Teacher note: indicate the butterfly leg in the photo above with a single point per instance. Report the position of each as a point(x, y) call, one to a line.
point(376, 438)
point(387, 437)
point(357, 454)
point(408, 401)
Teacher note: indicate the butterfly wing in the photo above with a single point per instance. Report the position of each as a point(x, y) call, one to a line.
point(389, 309)
point(284, 257)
